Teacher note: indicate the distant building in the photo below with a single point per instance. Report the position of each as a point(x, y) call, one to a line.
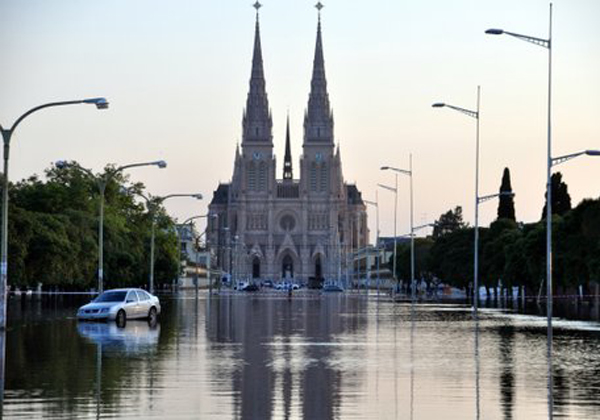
point(301, 228)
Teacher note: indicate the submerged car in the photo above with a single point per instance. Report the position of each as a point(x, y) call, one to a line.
point(121, 305)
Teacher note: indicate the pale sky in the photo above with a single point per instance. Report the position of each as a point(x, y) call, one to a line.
point(176, 74)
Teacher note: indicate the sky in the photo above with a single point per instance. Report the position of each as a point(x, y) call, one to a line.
point(176, 74)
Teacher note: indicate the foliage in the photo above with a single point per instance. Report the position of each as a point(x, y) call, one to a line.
point(506, 204)
point(561, 200)
point(449, 222)
point(53, 233)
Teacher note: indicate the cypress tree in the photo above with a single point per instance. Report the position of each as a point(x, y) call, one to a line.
point(506, 206)
point(561, 200)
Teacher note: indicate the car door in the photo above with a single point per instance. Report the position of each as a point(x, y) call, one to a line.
point(144, 303)
point(132, 305)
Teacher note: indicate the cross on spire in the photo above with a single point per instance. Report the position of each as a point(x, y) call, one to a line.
point(257, 6)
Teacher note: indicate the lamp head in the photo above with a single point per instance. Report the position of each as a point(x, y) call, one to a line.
point(161, 164)
point(494, 31)
point(385, 168)
point(61, 164)
point(592, 152)
point(197, 196)
point(101, 103)
point(438, 105)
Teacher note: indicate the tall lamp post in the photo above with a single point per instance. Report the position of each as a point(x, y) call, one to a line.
point(102, 182)
point(101, 103)
point(376, 205)
point(476, 115)
point(152, 203)
point(550, 162)
point(408, 172)
point(393, 189)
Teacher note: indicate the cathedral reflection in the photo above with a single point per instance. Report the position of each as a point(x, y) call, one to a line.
point(289, 364)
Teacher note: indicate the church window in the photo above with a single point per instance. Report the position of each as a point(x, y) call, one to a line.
point(251, 182)
point(262, 176)
point(287, 223)
point(313, 177)
point(323, 178)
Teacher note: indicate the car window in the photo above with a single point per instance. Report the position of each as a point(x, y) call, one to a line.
point(111, 297)
point(142, 296)
point(132, 296)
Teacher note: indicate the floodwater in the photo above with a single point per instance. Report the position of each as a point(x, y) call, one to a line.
point(331, 356)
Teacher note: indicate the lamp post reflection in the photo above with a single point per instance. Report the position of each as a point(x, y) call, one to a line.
point(2, 366)
point(98, 379)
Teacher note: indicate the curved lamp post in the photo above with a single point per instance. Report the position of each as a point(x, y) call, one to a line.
point(550, 162)
point(393, 189)
point(152, 203)
point(473, 114)
point(101, 103)
point(376, 205)
point(102, 182)
point(408, 172)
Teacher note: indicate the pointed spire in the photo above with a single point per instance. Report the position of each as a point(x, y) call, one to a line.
point(318, 123)
point(257, 123)
point(287, 163)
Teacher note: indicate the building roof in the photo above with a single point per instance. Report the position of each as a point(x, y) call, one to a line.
point(221, 195)
point(354, 196)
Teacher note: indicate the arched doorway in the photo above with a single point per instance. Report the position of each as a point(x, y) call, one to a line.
point(287, 267)
point(318, 268)
point(256, 268)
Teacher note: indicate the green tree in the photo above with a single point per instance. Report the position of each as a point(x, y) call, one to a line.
point(561, 200)
point(506, 205)
point(449, 222)
point(53, 233)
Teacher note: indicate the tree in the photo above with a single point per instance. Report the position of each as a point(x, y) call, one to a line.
point(449, 222)
point(561, 200)
point(506, 206)
point(53, 233)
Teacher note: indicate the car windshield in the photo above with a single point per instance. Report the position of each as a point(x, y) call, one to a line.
point(111, 297)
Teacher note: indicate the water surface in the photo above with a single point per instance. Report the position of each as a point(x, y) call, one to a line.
point(343, 356)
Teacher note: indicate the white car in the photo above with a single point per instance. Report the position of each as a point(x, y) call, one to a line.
point(121, 305)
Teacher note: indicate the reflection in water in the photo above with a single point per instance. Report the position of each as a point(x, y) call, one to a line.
point(2, 363)
point(336, 356)
point(507, 378)
point(550, 371)
point(134, 338)
point(477, 368)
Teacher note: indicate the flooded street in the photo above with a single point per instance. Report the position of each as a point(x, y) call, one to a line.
point(257, 356)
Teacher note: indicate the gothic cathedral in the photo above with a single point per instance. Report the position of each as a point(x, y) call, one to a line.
point(302, 229)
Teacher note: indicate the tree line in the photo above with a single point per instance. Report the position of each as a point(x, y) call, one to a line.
point(53, 233)
point(510, 252)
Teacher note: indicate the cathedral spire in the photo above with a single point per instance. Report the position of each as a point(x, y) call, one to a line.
point(318, 122)
point(257, 124)
point(287, 163)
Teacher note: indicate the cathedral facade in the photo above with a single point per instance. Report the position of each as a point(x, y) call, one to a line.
point(302, 229)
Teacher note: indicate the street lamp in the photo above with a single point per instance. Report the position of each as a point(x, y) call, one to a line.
point(152, 204)
point(376, 205)
point(412, 239)
point(395, 191)
point(102, 182)
point(475, 115)
point(101, 103)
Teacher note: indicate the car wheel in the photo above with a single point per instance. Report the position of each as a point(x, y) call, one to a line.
point(152, 315)
point(121, 318)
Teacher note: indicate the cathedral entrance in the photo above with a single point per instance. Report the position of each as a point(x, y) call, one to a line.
point(256, 268)
point(287, 267)
point(318, 268)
